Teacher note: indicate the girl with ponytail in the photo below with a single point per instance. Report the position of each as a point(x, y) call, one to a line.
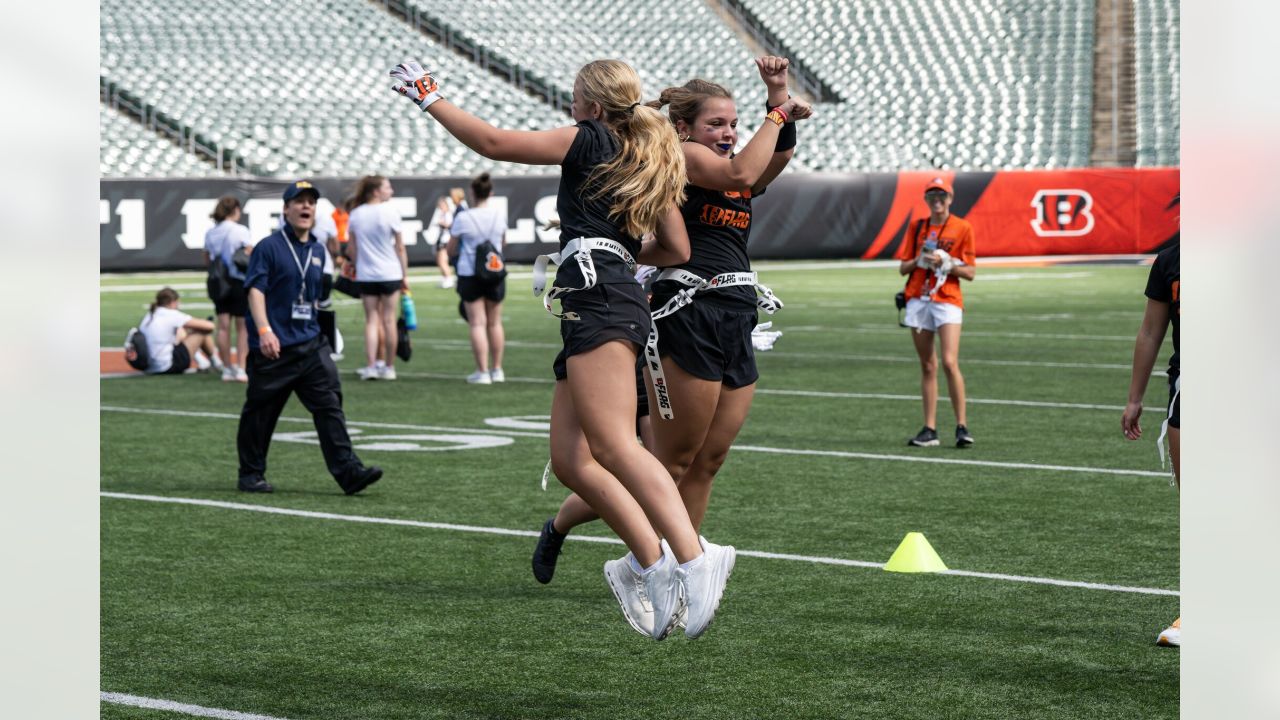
point(700, 357)
point(622, 176)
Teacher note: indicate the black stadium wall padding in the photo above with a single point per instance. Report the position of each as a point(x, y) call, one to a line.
point(159, 224)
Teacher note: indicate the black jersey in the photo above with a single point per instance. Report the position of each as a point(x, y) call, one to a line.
point(719, 224)
point(1163, 286)
point(582, 216)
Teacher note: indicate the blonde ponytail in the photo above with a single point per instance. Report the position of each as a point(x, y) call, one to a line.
point(647, 176)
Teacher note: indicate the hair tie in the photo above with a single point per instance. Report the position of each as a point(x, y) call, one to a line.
point(631, 110)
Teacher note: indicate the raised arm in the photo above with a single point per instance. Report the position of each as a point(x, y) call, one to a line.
point(670, 243)
point(537, 147)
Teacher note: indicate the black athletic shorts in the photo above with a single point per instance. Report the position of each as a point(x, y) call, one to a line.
point(607, 312)
point(710, 340)
point(181, 360)
point(379, 287)
point(1173, 401)
point(236, 302)
point(471, 288)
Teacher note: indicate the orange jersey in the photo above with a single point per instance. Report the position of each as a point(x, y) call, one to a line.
point(340, 218)
point(956, 237)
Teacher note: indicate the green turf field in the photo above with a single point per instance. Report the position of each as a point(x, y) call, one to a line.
point(299, 616)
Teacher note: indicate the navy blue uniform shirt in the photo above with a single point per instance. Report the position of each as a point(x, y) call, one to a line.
point(273, 270)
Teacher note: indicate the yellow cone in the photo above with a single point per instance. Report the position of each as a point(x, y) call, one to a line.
point(915, 555)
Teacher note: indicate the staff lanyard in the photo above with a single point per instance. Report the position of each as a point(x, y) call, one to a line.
point(940, 229)
point(302, 267)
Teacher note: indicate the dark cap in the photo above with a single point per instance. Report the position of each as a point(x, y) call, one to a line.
point(300, 187)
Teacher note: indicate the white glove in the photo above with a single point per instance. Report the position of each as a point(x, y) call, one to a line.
point(945, 262)
point(418, 84)
point(762, 339)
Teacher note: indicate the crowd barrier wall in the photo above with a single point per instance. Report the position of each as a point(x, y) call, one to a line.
point(160, 223)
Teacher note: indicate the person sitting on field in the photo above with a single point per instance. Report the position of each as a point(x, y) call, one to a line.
point(174, 337)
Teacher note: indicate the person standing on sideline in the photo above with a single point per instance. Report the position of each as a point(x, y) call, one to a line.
point(382, 272)
point(220, 245)
point(174, 337)
point(288, 354)
point(483, 299)
point(621, 178)
point(447, 210)
point(1163, 309)
point(937, 253)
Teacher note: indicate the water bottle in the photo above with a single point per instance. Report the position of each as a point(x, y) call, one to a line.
point(408, 311)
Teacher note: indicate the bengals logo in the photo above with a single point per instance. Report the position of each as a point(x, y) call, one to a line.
point(1062, 213)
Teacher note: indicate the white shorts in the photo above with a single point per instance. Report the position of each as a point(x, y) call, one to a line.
point(927, 315)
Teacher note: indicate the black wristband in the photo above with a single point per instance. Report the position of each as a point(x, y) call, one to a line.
point(786, 133)
point(786, 137)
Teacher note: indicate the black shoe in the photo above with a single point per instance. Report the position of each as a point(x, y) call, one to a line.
point(547, 552)
point(963, 438)
point(255, 484)
point(359, 478)
point(927, 437)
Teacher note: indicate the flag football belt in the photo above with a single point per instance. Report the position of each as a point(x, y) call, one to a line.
point(579, 249)
point(1164, 426)
point(694, 284)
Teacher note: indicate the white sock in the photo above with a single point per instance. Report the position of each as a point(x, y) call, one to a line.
point(692, 563)
point(380, 364)
point(635, 565)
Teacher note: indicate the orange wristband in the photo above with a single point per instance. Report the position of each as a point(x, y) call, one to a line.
point(777, 116)
point(264, 330)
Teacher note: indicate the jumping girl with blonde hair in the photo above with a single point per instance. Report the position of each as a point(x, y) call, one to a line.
point(622, 177)
point(700, 358)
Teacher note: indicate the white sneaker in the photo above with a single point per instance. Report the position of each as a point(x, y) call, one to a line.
point(241, 375)
point(202, 362)
point(367, 373)
point(496, 375)
point(1172, 635)
point(479, 377)
point(704, 586)
point(628, 588)
point(662, 586)
point(386, 372)
point(228, 374)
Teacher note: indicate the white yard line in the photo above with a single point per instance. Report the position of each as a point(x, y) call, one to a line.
point(177, 707)
point(971, 401)
point(904, 358)
point(743, 448)
point(815, 559)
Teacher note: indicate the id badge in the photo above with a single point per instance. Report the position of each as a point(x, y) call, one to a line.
point(302, 311)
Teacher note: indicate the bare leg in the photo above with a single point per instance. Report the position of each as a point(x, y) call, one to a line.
point(497, 335)
point(223, 338)
point(1175, 450)
point(949, 341)
point(372, 329)
point(923, 340)
point(387, 314)
point(574, 465)
point(695, 484)
point(477, 320)
point(602, 385)
point(575, 511)
point(442, 262)
point(242, 343)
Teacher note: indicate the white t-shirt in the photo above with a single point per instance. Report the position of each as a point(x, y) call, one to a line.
point(374, 226)
point(221, 242)
point(472, 228)
point(161, 329)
